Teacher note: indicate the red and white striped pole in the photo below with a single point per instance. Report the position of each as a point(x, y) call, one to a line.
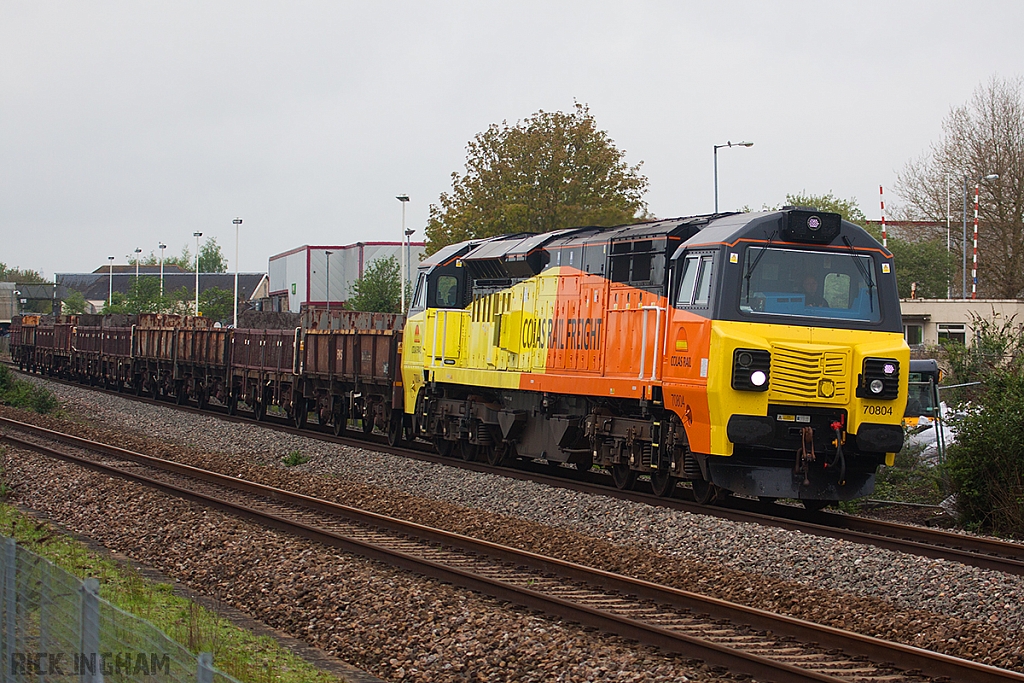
point(881, 199)
point(974, 263)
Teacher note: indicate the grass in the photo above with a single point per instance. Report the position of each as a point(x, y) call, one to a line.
point(910, 480)
point(21, 394)
point(236, 651)
point(295, 458)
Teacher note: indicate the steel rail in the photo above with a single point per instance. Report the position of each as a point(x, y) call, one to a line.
point(986, 553)
point(905, 657)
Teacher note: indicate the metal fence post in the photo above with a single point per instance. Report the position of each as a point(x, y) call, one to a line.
point(10, 603)
point(91, 667)
point(204, 668)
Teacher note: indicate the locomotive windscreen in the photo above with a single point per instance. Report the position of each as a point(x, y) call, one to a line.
point(801, 283)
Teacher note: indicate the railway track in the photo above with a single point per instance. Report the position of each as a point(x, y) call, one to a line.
point(741, 639)
point(983, 552)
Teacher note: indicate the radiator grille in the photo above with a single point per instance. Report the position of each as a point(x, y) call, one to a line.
point(809, 374)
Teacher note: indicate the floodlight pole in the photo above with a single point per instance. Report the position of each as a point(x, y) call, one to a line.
point(197, 235)
point(404, 198)
point(238, 223)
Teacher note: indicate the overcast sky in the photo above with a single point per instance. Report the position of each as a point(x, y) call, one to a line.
point(124, 124)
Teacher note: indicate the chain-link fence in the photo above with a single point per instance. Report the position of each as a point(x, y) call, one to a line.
point(55, 627)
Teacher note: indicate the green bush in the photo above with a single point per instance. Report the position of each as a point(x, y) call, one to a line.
point(21, 394)
point(986, 464)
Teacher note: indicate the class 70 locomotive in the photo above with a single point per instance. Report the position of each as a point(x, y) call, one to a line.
point(754, 353)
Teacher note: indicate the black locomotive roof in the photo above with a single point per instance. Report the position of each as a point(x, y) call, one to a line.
point(521, 254)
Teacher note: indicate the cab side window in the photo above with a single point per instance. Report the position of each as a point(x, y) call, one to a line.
point(447, 291)
point(695, 281)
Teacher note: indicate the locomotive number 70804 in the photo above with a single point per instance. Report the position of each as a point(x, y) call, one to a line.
point(877, 410)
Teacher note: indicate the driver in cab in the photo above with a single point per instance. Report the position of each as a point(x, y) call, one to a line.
point(811, 290)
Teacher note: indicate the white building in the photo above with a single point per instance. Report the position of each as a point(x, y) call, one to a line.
point(300, 276)
point(931, 321)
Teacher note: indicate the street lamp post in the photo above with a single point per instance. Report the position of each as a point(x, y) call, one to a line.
point(110, 282)
point(162, 247)
point(197, 235)
point(408, 260)
point(138, 250)
point(717, 147)
point(328, 254)
point(238, 223)
point(963, 286)
point(404, 198)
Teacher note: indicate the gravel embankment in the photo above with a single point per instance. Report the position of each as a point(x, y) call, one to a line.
point(930, 603)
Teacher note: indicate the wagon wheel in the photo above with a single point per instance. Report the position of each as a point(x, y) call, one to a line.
point(396, 428)
point(663, 483)
point(232, 402)
point(259, 409)
point(180, 395)
point(367, 420)
point(300, 412)
point(339, 419)
point(154, 389)
point(623, 477)
point(202, 398)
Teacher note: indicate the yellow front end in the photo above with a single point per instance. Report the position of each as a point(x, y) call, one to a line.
point(810, 368)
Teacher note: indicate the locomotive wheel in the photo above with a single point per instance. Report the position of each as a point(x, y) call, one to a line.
point(444, 446)
point(623, 477)
point(468, 451)
point(498, 455)
point(663, 484)
point(300, 413)
point(817, 505)
point(706, 493)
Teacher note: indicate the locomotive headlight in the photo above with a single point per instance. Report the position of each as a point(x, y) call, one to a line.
point(750, 369)
point(880, 379)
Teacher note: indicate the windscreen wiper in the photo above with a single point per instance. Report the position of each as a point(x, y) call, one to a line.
point(757, 259)
point(865, 272)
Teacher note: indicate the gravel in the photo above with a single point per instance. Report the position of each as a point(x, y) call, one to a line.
point(930, 603)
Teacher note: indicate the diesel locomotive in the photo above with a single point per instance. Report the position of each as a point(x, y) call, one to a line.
point(751, 353)
point(755, 353)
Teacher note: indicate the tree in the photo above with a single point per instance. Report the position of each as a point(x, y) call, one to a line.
point(217, 304)
point(23, 275)
point(924, 261)
point(982, 137)
point(847, 208)
point(379, 289)
point(553, 170)
point(211, 258)
point(74, 303)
